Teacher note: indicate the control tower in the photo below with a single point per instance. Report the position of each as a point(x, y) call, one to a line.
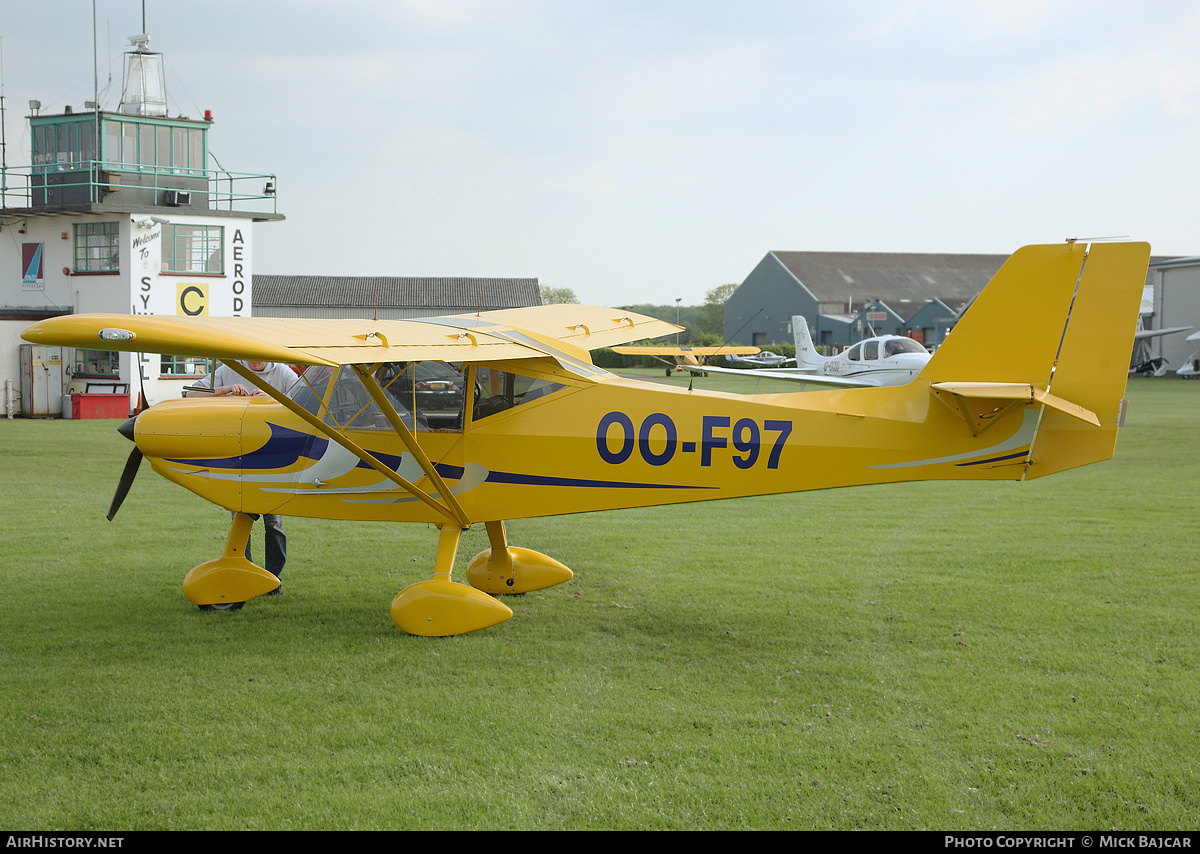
point(125, 210)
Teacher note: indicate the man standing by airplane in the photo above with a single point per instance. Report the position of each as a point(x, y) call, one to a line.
point(224, 381)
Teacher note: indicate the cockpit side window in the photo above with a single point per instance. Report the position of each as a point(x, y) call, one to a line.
point(498, 391)
point(352, 407)
point(855, 353)
point(870, 350)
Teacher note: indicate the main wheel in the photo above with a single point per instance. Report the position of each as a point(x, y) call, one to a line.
point(222, 606)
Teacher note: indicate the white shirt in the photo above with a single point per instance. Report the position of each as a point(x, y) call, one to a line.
point(275, 374)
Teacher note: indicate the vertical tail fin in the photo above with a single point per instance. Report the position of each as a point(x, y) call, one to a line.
point(806, 351)
point(1012, 331)
point(1058, 322)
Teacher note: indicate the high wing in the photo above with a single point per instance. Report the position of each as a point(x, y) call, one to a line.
point(563, 332)
point(766, 360)
point(648, 350)
point(1143, 334)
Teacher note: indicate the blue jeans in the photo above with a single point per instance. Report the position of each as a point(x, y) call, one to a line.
point(276, 544)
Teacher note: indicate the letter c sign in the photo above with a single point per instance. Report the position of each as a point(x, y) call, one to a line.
point(191, 299)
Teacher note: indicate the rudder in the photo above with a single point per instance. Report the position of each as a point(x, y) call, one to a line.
point(1093, 362)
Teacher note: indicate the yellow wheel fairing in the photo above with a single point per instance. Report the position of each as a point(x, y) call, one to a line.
point(444, 608)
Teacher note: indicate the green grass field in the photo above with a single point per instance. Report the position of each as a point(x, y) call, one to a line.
point(952, 656)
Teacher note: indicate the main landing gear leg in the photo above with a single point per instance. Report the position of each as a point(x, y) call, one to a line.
point(226, 583)
point(508, 569)
point(441, 607)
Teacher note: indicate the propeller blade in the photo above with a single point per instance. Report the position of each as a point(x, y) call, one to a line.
point(127, 476)
point(131, 469)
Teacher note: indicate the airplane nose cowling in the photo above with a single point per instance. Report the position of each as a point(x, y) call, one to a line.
point(191, 429)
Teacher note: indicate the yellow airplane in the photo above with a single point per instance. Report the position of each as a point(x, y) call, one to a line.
point(684, 358)
point(542, 431)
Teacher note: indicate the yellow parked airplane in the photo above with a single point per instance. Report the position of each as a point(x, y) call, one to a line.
point(685, 358)
point(543, 431)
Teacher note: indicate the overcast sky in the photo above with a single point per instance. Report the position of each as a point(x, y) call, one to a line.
point(649, 151)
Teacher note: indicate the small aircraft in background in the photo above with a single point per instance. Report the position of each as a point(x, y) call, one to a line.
point(1143, 364)
point(881, 361)
point(765, 359)
point(1190, 369)
point(542, 431)
point(678, 359)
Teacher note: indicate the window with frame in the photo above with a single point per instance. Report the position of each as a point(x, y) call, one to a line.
point(498, 391)
point(64, 145)
point(97, 363)
point(193, 249)
point(97, 247)
point(133, 144)
point(185, 366)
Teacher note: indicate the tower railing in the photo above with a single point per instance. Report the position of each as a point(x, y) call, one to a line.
point(86, 183)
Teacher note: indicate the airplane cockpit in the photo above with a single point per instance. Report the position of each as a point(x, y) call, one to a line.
point(346, 402)
point(497, 391)
point(428, 395)
point(898, 345)
point(874, 349)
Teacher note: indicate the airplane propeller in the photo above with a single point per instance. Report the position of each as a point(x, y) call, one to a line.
point(130, 472)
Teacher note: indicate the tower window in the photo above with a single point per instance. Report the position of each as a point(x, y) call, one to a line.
point(193, 249)
point(97, 249)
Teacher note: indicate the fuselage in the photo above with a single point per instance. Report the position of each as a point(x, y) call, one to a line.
point(566, 444)
point(888, 360)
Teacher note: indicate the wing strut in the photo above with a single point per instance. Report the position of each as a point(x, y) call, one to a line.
point(410, 442)
point(364, 455)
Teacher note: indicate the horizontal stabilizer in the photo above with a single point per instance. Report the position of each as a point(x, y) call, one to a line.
point(981, 404)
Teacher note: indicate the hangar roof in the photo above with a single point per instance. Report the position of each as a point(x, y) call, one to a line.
point(417, 291)
point(410, 294)
point(898, 278)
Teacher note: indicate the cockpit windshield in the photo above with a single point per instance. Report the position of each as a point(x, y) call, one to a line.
point(893, 346)
point(426, 396)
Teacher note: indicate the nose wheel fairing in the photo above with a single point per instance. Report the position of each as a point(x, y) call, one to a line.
point(230, 579)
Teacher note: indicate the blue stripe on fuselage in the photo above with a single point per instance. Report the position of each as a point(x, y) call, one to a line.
point(284, 449)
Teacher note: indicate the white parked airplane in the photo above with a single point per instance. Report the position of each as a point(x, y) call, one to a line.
point(1190, 369)
point(765, 359)
point(1143, 364)
point(879, 361)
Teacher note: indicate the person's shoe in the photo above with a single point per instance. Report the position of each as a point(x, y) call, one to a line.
point(278, 591)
